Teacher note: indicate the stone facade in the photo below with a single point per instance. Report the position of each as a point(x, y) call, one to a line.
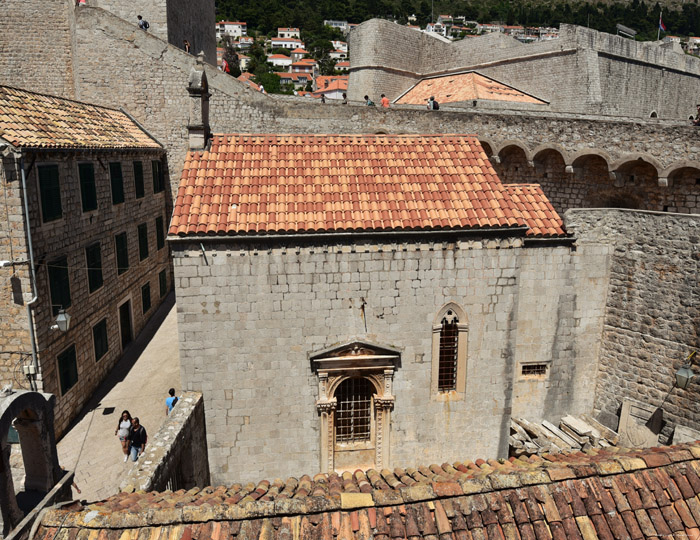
point(251, 316)
point(652, 313)
point(584, 71)
point(68, 237)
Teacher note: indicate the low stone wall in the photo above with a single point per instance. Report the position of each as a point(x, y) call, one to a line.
point(652, 314)
point(175, 456)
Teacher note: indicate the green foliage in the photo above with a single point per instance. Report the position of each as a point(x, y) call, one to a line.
point(231, 57)
point(269, 81)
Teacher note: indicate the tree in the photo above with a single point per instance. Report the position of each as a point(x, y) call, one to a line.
point(231, 57)
point(270, 81)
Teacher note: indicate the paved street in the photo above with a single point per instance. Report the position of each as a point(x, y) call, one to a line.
point(139, 383)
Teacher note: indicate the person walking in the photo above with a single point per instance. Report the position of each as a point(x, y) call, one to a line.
point(385, 102)
point(170, 401)
point(137, 439)
point(122, 431)
point(187, 46)
point(143, 23)
point(369, 102)
point(432, 104)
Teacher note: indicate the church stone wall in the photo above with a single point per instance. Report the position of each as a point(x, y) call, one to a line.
point(36, 45)
point(249, 316)
point(652, 313)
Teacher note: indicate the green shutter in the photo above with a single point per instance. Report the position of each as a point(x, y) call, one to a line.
point(146, 297)
point(156, 168)
point(59, 284)
point(88, 191)
point(93, 255)
point(67, 369)
point(138, 179)
point(160, 235)
point(143, 241)
point(117, 182)
point(100, 340)
point(50, 193)
point(122, 253)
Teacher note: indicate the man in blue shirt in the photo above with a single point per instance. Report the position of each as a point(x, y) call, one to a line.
point(170, 401)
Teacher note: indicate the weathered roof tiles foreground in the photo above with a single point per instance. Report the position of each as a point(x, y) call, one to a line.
point(31, 120)
point(265, 184)
point(608, 494)
point(539, 214)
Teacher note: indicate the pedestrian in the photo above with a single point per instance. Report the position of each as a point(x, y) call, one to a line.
point(385, 101)
point(187, 46)
point(323, 98)
point(262, 89)
point(369, 102)
point(432, 104)
point(143, 23)
point(137, 439)
point(170, 401)
point(73, 484)
point(122, 431)
point(345, 98)
point(696, 122)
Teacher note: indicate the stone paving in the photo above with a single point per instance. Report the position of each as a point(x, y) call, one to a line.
point(138, 383)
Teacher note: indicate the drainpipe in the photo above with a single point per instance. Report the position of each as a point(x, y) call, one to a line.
point(32, 273)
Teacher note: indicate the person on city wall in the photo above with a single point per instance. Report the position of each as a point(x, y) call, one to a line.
point(122, 431)
point(137, 439)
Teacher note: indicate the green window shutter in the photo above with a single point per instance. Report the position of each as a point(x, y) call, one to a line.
point(99, 339)
point(67, 369)
point(138, 179)
point(143, 241)
point(163, 283)
point(117, 181)
point(59, 284)
point(160, 233)
point(157, 170)
point(88, 190)
point(122, 247)
point(146, 297)
point(50, 193)
point(93, 255)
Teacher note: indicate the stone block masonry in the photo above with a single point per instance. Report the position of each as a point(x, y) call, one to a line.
point(652, 311)
point(250, 316)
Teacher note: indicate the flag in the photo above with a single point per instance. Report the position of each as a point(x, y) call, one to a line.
point(662, 26)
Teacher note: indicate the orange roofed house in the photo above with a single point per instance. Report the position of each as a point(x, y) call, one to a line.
point(368, 301)
point(82, 234)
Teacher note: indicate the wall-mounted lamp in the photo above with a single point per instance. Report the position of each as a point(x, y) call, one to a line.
point(62, 321)
point(685, 373)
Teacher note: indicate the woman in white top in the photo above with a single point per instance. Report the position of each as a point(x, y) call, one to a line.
point(122, 432)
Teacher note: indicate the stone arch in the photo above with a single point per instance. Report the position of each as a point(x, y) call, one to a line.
point(549, 161)
point(636, 159)
point(488, 146)
point(544, 149)
point(578, 158)
point(510, 144)
point(653, 114)
point(31, 414)
point(450, 306)
point(376, 382)
point(680, 166)
point(681, 193)
point(512, 163)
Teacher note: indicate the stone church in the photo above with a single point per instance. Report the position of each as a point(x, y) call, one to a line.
point(369, 301)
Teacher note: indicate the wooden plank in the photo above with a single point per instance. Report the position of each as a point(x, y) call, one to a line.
point(612, 436)
point(568, 441)
point(541, 436)
point(578, 438)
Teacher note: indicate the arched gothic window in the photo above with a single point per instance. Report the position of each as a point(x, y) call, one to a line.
point(449, 363)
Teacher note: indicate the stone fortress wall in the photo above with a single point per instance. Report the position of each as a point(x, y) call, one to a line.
point(583, 72)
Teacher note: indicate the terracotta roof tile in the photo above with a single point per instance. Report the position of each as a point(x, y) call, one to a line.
point(257, 184)
point(31, 120)
point(539, 214)
point(464, 87)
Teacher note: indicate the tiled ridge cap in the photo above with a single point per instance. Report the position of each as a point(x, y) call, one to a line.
point(140, 509)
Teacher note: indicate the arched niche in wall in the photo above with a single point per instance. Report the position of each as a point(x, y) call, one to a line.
point(347, 374)
point(31, 415)
point(514, 163)
point(550, 164)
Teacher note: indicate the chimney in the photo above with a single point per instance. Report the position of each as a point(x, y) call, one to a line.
point(198, 87)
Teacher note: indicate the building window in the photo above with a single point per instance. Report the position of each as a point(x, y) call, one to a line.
point(353, 414)
point(117, 181)
point(88, 191)
point(122, 248)
point(534, 370)
point(163, 283)
point(59, 283)
point(138, 180)
point(67, 369)
point(146, 297)
point(99, 339)
point(160, 233)
point(157, 169)
point(93, 256)
point(449, 361)
point(50, 193)
point(143, 241)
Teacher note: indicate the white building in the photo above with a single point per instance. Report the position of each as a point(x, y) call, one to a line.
point(288, 33)
point(339, 45)
point(232, 29)
point(340, 25)
point(286, 43)
point(280, 61)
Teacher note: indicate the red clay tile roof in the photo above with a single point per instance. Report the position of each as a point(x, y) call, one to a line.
point(464, 87)
point(602, 494)
point(258, 184)
point(538, 212)
point(31, 120)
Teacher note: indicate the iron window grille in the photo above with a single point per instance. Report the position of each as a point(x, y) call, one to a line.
point(534, 369)
point(447, 368)
point(353, 415)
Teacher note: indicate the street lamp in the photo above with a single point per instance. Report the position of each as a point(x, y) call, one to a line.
point(62, 321)
point(685, 373)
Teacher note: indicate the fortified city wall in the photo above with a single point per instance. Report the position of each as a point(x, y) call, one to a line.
point(584, 71)
point(652, 313)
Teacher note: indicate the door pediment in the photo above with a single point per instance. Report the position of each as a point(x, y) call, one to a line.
point(355, 355)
